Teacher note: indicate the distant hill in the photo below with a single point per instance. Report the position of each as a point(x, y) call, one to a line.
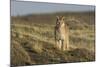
point(87, 17)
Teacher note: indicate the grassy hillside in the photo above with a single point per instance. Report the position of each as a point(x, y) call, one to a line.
point(32, 39)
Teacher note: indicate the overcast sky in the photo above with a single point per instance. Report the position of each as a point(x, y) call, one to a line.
point(25, 7)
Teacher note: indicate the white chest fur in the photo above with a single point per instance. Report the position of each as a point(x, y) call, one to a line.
point(62, 31)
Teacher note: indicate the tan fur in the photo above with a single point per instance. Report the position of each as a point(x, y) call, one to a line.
point(61, 34)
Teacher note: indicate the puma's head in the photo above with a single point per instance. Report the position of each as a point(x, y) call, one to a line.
point(60, 21)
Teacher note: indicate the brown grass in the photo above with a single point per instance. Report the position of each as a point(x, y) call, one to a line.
point(33, 39)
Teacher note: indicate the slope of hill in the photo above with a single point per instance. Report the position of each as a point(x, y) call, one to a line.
point(32, 39)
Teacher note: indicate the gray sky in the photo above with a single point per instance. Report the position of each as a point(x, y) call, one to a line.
point(25, 7)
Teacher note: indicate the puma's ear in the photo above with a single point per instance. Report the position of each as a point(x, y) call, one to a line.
point(57, 17)
point(63, 17)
